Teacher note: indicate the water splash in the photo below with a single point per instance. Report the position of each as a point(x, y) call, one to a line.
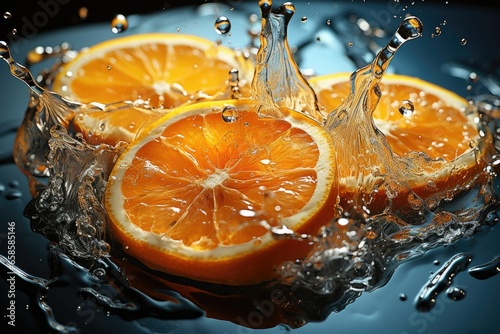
point(71, 205)
point(441, 280)
point(370, 162)
point(356, 252)
point(45, 110)
point(277, 80)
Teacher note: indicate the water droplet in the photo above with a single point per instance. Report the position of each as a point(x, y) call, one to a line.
point(119, 24)
point(437, 31)
point(473, 77)
point(350, 44)
point(463, 41)
point(455, 293)
point(222, 25)
point(14, 184)
point(14, 31)
point(436, 262)
point(7, 15)
point(406, 108)
point(12, 195)
point(486, 270)
point(99, 272)
point(303, 19)
point(82, 13)
point(403, 297)
point(328, 22)
point(229, 114)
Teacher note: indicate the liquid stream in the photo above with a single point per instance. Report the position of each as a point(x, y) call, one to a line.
point(356, 252)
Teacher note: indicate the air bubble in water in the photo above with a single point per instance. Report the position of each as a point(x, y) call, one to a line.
point(406, 108)
point(119, 24)
point(222, 25)
point(229, 114)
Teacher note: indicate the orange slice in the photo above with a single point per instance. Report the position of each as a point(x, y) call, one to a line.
point(159, 70)
point(212, 191)
point(442, 125)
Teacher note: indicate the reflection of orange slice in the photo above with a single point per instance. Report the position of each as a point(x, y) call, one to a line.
point(440, 126)
point(163, 70)
point(200, 197)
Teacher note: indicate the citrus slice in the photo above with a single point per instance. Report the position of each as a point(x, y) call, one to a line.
point(442, 125)
point(160, 70)
point(212, 191)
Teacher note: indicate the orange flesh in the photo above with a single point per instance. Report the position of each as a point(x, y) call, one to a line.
point(207, 182)
point(438, 130)
point(134, 73)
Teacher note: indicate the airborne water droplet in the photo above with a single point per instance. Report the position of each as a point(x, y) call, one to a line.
point(463, 41)
point(222, 25)
point(406, 108)
point(119, 24)
point(7, 15)
point(229, 114)
point(82, 13)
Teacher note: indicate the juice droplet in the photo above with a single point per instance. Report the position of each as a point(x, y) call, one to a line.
point(288, 87)
point(222, 25)
point(83, 12)
point(229, 114)
point(119, 24)
point(7, 15)
point(406, 108)
point(441, 280)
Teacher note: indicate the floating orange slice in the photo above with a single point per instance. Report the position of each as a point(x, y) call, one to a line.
point(211, 190)
point(158, 70)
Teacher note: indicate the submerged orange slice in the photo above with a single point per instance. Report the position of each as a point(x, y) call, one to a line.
point(210, 191)
point(158, 70)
